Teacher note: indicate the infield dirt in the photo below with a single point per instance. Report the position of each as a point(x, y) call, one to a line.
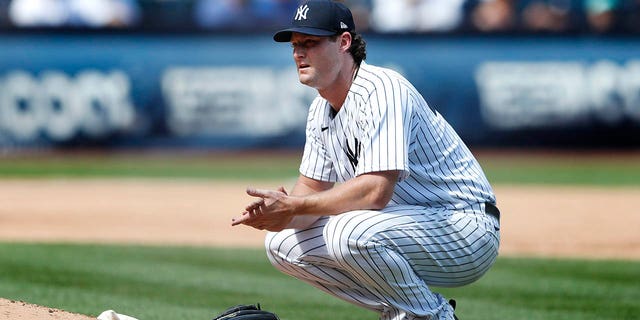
point(550, 221)
point(591, 222)
point(19, 310)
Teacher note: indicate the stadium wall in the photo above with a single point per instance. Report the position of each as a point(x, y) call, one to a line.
point(240, 91)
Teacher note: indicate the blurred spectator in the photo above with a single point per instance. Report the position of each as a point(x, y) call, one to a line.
point(38, 13)
point(494, 16)
point(103, 13)
point(221, 14)
point(4, 13)
point(416, 15)
point(272, 13)
point(61, 13)
point(384, 16)
point(244, 14)
point(602, 15)
point(391, 16)
point(440, 15)
point(547, 15)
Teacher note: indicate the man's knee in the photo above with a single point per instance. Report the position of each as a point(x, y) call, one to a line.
point(273, 245)
point(344, 237)
point(284, 249)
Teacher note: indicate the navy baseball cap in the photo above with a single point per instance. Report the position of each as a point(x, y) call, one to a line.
point(318, 18)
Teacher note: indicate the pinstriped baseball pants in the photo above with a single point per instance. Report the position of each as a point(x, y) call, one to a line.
point(386, 260)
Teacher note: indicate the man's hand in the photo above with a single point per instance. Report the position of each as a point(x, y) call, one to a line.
point(271, 211)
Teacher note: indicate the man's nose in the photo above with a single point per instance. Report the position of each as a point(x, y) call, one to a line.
point(299, 52)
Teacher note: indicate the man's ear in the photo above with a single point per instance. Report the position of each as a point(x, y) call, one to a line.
point(345, 41)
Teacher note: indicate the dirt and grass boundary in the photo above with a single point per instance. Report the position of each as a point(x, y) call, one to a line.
point(562, 221)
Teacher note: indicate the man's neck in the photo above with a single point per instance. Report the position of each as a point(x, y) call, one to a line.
point(336, 94)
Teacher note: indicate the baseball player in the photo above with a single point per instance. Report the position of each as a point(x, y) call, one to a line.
point(389, 201)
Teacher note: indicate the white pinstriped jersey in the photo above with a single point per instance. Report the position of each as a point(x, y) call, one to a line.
point(385, 124)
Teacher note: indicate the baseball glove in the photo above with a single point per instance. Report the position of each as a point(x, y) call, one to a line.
point(246, 312)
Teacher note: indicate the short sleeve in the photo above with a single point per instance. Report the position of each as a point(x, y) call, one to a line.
point(385, 125)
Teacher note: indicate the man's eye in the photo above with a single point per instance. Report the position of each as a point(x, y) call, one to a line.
point(305, 44)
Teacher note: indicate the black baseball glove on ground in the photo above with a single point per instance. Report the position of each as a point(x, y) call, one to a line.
point(246, 312)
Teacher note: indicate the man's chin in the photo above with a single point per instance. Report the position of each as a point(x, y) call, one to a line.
point(305, 80)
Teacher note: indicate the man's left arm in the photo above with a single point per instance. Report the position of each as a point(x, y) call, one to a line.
point(369, 191)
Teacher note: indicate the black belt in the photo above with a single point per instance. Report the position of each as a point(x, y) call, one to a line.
point(492, 210)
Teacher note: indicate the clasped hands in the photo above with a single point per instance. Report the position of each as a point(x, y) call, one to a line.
point(271, 211)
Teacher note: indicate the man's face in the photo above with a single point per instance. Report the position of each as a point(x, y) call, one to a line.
point(317, 59)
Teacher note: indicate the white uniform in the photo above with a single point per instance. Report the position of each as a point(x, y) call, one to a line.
point(434, 231)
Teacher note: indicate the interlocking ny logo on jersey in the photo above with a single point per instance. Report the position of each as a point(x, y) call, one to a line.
point(354, 154)
point(301, 14)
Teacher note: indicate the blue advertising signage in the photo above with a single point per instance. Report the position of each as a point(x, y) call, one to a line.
point(241, 91)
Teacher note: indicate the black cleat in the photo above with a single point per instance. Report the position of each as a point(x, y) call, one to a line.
point(453, 304)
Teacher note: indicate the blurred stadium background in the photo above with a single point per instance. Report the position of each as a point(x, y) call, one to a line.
point(92, 89)
point(205, 74)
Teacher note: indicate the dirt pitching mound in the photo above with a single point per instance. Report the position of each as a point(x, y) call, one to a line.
point(18, 310)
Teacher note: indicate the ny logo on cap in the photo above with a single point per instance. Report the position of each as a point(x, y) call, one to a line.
point(301, 14)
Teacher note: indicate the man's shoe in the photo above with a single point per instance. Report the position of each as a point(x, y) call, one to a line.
point(453, 304)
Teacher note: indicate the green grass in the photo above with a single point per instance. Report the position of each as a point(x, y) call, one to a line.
point(197, 283)
point(616, 169)
point(157, 283)
point(254, 166)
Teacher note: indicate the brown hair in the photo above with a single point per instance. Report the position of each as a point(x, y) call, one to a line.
point(358, 48)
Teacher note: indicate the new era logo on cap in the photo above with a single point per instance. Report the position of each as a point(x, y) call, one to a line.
point(318, 18)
